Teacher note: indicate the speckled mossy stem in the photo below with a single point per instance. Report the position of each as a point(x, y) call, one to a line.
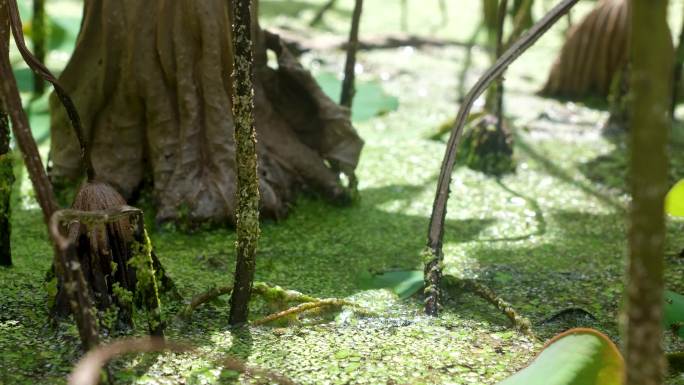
point(146, 286)
point(247, 213)
point(348, 89)
point(6, 174)
point(652, 58)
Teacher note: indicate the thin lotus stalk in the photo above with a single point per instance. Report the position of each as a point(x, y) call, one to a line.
point(434, 254)
point(321, 12)
point(39, 38)
point(348, 88)
point(36, 64)
point(9, 94)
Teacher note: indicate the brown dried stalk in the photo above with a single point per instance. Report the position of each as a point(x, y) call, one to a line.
point(433, 270)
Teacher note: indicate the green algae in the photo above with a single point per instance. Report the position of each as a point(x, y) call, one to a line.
point(563, 247)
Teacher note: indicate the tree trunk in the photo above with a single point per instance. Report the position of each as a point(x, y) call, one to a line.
point(248, 180)
point(152, 82)
point(6, 172)
point(652, 57)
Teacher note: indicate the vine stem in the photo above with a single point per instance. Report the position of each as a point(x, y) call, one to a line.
point(433, 270)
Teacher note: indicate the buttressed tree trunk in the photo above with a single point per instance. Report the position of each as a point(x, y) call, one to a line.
point(152, 82)
point(594, 53)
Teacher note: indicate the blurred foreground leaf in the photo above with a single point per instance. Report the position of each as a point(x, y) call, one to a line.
point(576, 357)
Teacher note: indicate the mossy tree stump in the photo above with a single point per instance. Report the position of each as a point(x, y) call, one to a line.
point(116, 259)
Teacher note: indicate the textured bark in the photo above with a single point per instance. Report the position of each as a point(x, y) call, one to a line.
point(594, 52)
point(652, 58)
point(6, 172)
point(433, 255)
point(348, 89)
point(109, 256)
point(246, 159)
point(152, 82)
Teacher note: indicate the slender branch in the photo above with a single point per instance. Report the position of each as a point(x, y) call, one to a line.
point(88, 369)
point(330, 302)
point(520, 323)
point(41, 70)
point(203, 298)
point(247, 213)
point(348, 89)
point(436, 228)
point(39, 40)
point(321, 12)
point(499, 87)
point(9, 94)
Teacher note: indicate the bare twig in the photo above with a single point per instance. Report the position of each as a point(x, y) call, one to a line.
point(203, 298)
point(87, 371)
point(520, 323)
point(348, 89)
point(9, 94)
point(321, 12)
point(41, 70)
point(433, 271)
point(330, 302)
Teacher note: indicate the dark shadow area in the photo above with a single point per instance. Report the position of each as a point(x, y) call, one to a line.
point(579, 265)
point(240, 349)
point(611, 169)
